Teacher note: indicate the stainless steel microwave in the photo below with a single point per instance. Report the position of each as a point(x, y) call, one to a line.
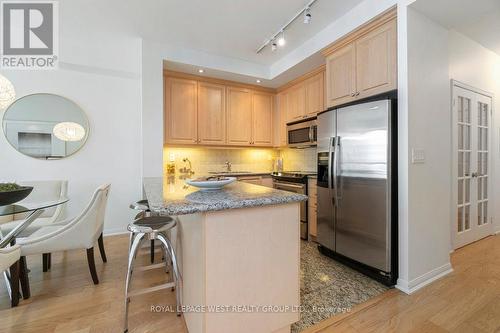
point(302, 134)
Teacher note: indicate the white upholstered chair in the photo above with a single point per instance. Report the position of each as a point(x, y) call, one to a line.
point(81, 232)
point(9, 259)
point(43, 191)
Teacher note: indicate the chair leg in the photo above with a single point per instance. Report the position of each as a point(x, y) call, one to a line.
point(45, 261)
point(100, 241)
point(152, 251)
point(23, 278)
point(14, 284)
point(135, 241)
point(90, 259)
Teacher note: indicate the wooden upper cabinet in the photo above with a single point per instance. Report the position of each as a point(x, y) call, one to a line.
point(341, 76)
point(239, 116)
point(364, 63)
point(262, 119)
point(283, 107)
point(296, 103)
point(180, 111)
point(211, 113)
point(376, 61)
point(315, 94)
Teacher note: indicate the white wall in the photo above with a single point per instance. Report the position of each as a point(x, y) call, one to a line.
point(100, 71)
point(428, 127)
point(471, 63)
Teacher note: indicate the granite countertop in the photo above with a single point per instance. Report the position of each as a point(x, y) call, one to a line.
point(171, 196)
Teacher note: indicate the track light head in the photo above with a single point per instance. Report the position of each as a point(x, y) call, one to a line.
point(274, 46)
point(281, 40)
point(307, 16)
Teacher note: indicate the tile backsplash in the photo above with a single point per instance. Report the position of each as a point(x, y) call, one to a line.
point(205, 160)
point(299, 159)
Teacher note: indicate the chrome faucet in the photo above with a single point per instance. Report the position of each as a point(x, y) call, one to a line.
point(228, 166)
point(186, 171)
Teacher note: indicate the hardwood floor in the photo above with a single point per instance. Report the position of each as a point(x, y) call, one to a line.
point(467, 300)
point(65, 299)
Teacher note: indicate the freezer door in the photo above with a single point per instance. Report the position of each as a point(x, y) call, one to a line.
point(325, 157)
point(362, 197)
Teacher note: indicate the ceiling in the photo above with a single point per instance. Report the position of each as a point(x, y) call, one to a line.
point(227, 27)
point(477, 19)
point(230, 29)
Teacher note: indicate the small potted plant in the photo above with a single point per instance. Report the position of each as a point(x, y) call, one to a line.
point(11, 193)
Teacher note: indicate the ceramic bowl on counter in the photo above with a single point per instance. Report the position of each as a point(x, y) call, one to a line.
point(212, 183)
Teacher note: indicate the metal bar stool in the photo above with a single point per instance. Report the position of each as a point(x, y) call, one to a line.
point(143, 207)
point(155, 228)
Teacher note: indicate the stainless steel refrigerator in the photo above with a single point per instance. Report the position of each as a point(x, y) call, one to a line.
point(357, 186)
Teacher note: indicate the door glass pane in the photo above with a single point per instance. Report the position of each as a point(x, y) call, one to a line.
point(466, 108)
point(485, 115)
point(460, 223)
point(485, 139)
point(485, 187)
point(467, 137)
point(485, 164)
point(479, 188)
point(480, 138)
point(480, 114)
point(460, 108)
point(480, 213)
point(467, 191)
point(467, 164)
point(460, 164)
point(466, 217)
point(460, 192)
point(460, 136)
point(485, 205)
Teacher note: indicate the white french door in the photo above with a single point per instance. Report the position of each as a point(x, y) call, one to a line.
point(471, 176)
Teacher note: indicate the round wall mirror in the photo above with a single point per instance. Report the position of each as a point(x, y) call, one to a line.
point(45, 126)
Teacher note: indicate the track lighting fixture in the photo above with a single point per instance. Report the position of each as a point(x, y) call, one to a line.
point(307, 15)
point(306, 11)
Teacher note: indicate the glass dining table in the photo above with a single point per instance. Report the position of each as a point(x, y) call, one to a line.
point(33, 210)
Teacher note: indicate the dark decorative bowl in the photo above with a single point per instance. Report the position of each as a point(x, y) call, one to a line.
point(10, 197)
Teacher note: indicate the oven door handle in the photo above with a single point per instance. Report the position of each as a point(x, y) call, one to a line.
point(277, 184)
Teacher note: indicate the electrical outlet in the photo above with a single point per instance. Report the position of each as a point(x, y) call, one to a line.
point(417, 156)
point(171, 157)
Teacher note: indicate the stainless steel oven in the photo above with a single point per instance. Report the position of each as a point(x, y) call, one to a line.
point(302, 134)
point(294, 182)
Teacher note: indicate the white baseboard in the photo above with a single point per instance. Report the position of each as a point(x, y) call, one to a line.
point(423, 280)
point(114, 232)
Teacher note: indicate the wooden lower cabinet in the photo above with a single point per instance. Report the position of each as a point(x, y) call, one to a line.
point(312, 207)
point(266, 181)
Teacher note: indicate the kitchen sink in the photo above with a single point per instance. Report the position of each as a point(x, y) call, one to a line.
point(230, 173)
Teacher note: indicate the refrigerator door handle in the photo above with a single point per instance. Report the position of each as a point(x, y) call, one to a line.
point(335, 171)
point(330, 163)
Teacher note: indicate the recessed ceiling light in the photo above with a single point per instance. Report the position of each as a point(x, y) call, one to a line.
point(258, 81)
point(201, 70)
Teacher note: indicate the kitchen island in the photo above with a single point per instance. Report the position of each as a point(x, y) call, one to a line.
point(239, 254)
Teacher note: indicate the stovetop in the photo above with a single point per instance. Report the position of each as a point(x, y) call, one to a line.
point(293, 176)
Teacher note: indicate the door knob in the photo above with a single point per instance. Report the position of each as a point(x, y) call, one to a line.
point(475, 174)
